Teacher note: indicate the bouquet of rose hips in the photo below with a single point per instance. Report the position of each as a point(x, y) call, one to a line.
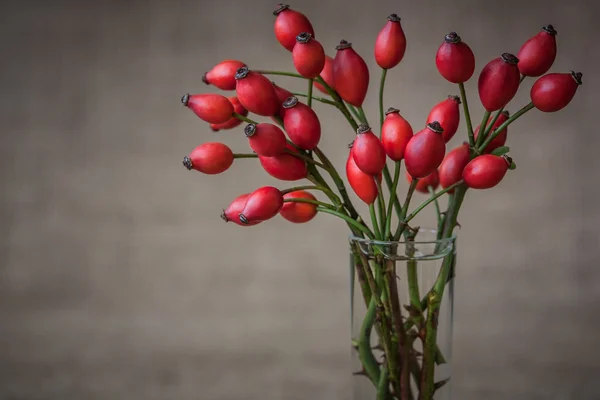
point(287, 149)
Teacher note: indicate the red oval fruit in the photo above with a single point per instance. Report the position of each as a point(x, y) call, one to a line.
point(367, 151)
point(486, 171)
point(308, 56)
point(222, 75)
point(499, 81)
point(350, 74)
point(262, 204)
point(454, 59)
point(282, 94)
point(395, 134)
point(447, 114)
point(423, 184)
point(499, 140)
point(327, 75)
point(288, 24)
point(256, 93)
point(537, 54)
point(212, 108)
point(451, 169)
point(363, 185)
point(232, 212)
point(301, 124)
point(390, 44)
point(233, 121)
point(553, 92)
point(266, 139)
point(298, 213)
point(285, 166)
point(209, 158)
point(425, 151)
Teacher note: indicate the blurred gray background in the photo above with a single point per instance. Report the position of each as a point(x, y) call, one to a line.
point(118, 279)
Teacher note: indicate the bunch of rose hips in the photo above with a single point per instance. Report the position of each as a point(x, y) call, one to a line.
point(287, 145)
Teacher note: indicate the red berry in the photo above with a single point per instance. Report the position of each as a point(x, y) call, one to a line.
point(266, 139)
point(499, 140)
point(282, 94)
point(209, 158)
point(486, 171)
point(298, 212)
point(537, 54)
point(451, 169)
point(350, 74)
point(232, 212)
point(395, 134)
point(301, 124)
point(390, 44)
point(262, 204)
point(499, 81)
point(454, 59)
point(285, 167)
point(553, 92)
point(425, 151)
point(288, 24)
point(447, 114)
point(363, 185)
point(423, 184)
point(256, 93)
point(368, 152)
point(222, 75)
point(308, 56)
point(212, 108)
point(233, 121)
point(327, 75)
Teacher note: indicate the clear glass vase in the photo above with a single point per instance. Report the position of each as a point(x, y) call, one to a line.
point(402, 306)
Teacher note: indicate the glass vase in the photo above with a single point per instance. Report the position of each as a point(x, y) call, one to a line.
point(402, 306)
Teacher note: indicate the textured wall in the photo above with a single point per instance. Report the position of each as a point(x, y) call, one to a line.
point(118, 280)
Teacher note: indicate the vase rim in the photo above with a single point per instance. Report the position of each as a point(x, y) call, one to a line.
point(420, 249)
point(421, 230)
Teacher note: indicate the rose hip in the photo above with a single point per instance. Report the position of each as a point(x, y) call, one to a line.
point(425, 151)
point(288, 24)
point(499, 140)
point(350, 74)
point(537, 54)
point(282, 94)
point(232, 212)
point(486, 171)
point(499, 81)
point(327, 75)
point(256, 93)
point(266, 139)
point(367, 151)
point(363, 185)
point(262, 204)
point(451, 169)
point(301, 124)
point(285, 167)
point(454, 59)
point(423, 184)
point(308, 56)
point(390, 44)
point(395, 134)
point(212, 108)
point(222, 75)
point(209, 158)
point(298, 213)
point(552, 92)
point(447, 114)
point(233, 121)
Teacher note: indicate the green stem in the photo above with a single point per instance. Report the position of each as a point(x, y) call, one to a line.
point(245, 119)
point(431, 199)
point(353, 110)
point(374, 221)
point(381, 87)
point(367, 359)
point(364, 229)
point(310, 92)
point(436, 205)
point(482, 127)
point(486, 130)
point(323, 189)
point(282, 73)
point(310, 201)
point(413, 290)
point(320, 99)
point(363, 116)
point(383, 386)
point(506, 123)
point(306, 158)
point(393, 197)
point(381, 209)
point(402, 222)
point(245, 155)
point(463, 99)
point(341, 106)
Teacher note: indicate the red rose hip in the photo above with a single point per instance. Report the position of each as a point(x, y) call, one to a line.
point(301, 124)
point(288, 24)
point(256, 93)
point(425, 151)
point(451, 169)
point(262, 204)
point(298, 213)
point(552, 92)
point(222, 75)
point(486, 171)
point(266, 139)
point(282, 94)
point(395, 134)
point(537, 54)
point(368, 152)
point(499, 81)
point(212, 108)
point(232, 212)
point(285, 167)
point(350, 74)
point(233, 121)
point(327, 75)
point(499, 140)
point(454, 59)
point(209, 158)
point(423, 184)
point(447, 114)
point(390, 45)
point(363, 185)
point(308, 56)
